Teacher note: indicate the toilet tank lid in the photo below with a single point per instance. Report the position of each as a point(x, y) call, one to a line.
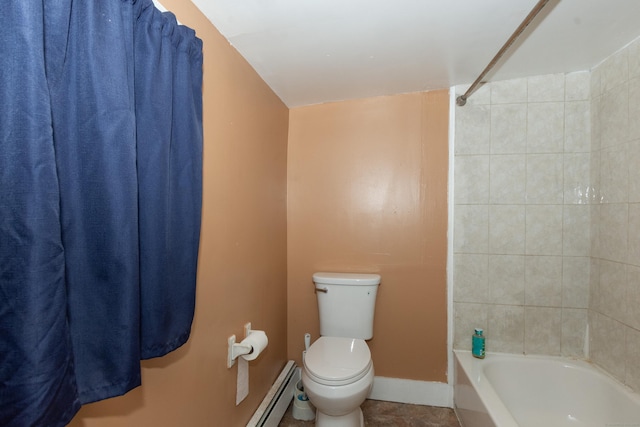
point(346, 278)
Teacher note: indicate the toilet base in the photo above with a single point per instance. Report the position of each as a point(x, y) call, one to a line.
point(352, 419)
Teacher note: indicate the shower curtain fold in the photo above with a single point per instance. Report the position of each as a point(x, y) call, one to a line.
point(36, 366)
point(100, 199)
point(169, 197)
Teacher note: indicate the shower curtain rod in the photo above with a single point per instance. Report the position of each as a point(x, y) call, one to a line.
point(462, 99)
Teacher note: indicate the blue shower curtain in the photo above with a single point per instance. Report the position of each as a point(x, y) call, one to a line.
point(100, 199)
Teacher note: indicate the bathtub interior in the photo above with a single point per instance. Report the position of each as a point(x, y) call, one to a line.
point(568, 390)
point(526, 391)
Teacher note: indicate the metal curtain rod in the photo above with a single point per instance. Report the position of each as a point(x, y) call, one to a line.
point(462, 99)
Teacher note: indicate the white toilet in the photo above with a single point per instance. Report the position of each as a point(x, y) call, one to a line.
point(338, 371)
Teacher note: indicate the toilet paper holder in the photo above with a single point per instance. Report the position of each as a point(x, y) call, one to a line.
point(236, 350)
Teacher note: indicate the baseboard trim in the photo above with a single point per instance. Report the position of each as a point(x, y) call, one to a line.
point(277, 400)
point(412, 391)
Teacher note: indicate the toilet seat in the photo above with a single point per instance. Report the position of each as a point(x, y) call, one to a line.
point(337, 360)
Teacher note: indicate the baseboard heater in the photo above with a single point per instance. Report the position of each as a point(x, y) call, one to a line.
point(277, 400)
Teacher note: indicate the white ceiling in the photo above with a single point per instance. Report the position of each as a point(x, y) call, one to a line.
point(314, 51)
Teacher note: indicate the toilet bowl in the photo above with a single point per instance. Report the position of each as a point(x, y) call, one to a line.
point(337, 376)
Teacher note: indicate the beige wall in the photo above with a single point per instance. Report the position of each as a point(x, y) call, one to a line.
point(242, 264)
point(367, 190)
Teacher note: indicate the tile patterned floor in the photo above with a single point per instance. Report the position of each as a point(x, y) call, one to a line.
point(379, 413)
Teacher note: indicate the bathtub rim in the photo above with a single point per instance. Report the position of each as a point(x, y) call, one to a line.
point(484, 391)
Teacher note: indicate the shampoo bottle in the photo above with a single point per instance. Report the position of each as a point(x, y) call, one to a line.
point(477, 344)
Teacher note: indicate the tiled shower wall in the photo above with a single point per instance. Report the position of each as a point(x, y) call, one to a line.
point(614, 315)
point(547, 215)
point(522, 219)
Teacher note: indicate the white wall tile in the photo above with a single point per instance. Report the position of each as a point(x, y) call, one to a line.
point(543, 230)
point(543, 281)
point(634, 58)
point(612, 290)
point(614, 116)
point(468, 316)
point(509, 91)
point(577, 178)
point(472, 179)
point(596, 125)
point(594, 283)
point(506, 279)
point(543, 330)
point(574, 322)
point(545, 127)
point(576, 230)
point(633, 239)
point(545, 179)
point(577, 134)
point(634, 171)
point(505, 329)
point(613, 231)
point(471, 223)
point(508, 179)
point(507, 229)
point(575, 282)
point(554, 147)
point(595, 230)
point(471, 276)
point(608, 347)
point(578, 86)
point(634, 108)
point(632, 373)
point(473, 129)
point(546, 88)
point(615, 70)
point(508, 128)
point(595, 193)
point(633, 296)
point(596, 86)
point(614, 173)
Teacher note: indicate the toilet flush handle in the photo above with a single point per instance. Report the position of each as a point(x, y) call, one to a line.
point(325, 290)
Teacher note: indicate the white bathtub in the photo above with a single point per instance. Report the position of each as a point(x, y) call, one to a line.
point(506, 390)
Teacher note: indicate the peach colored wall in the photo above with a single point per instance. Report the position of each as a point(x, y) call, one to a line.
point(367, 190)
point(242, 264)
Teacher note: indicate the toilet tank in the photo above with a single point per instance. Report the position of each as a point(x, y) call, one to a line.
point(346, 303)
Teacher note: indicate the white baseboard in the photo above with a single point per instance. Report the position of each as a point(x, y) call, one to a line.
point(412, 391)
point(277, 400)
